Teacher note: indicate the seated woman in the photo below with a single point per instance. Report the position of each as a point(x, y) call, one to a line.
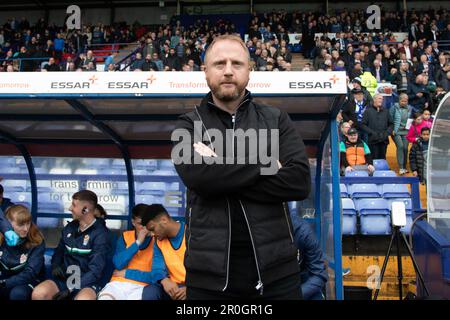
point(22, 265)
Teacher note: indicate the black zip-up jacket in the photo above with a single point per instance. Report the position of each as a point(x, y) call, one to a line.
point(215, 189)
point(378, 124)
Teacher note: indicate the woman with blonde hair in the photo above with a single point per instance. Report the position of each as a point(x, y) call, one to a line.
point(22, 265)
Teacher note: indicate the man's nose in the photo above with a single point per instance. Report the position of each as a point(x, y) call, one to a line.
point(228, 68)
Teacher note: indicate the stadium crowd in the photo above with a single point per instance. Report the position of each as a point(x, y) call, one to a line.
point(419, 65)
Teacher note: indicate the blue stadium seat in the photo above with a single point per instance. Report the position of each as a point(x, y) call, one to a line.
point(164, 173)
point(344, 191)
point(364, 190)
point(118, 164)
point(47, 222)
point(406, 201)
point(349, 222)
point(391, 190)
point(374, 216)
point(373, 206)
point(140, 172)
point(166, 165)
point(95, 163)
point(380, 164)
point(10, 170)
point(384, 173)
point(7, 162)
point(152, 188)
point(23, 198)
point(147, 164)
point(12, 186)
point(122, 188)
point(147, 199)
point(357, 173)
point(40, 170)
point(114, 172)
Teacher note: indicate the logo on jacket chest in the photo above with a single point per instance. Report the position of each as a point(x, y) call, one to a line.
point(23, 258)
point(85, 240)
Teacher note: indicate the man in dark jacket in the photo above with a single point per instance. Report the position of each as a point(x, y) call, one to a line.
point(378, 124)
point(84, 244)
point(353, 110)
point(418, 94)
point(314, 274)
point(239, 238)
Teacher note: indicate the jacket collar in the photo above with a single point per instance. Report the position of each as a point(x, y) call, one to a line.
point(207, 102)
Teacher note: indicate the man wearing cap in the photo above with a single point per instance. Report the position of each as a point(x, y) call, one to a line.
point(353, 110)
point(355, 154)
point(357, 84)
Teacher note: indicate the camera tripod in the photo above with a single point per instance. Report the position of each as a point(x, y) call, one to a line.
point(397, 235)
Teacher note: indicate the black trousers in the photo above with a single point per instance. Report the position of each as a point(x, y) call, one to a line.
point(287, 288)
point(378, 150)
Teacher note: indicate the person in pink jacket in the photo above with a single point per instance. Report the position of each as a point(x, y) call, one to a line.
point(416, 127)
point(426, 116)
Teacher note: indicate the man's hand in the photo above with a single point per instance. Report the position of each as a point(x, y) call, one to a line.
point(350, 122)
point(142, 234)
point(58, 273)
point(62, 295)
point(419, 94)
point(204, 150)
point(415, 173)
point(349, 169)
point(119, 273)
point(371, 168)
point(170, 287)
point(180, 294)
point(279, 164)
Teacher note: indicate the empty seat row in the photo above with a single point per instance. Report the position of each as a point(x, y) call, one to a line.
point(374, 216)
point(370, 190)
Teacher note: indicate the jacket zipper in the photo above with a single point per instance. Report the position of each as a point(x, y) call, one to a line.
point(259, 285)
point(189, 229)
point(229, 245)
point(287, 220)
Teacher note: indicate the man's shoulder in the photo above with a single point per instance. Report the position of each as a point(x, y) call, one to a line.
point(267, 110)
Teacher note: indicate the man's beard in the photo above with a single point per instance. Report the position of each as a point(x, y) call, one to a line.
point(226, 95)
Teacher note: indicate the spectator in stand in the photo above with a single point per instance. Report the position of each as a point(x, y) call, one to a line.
point(416, 127)
point(353, 110)
point(426, 116)
point(158, 62)
point(89, 58)
point(425, 67)
point(403, 78)
point(137, 63)
point(109, 60)
point(172, 62)
point(419, 96)
point(418, 155)
point(377, 122)
point(369, 81)
point(400, 113)
point(378, 71)
point(356, 84)
point(59, 46)
point(355, 154)
point(52, 66)
point(148, 64)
